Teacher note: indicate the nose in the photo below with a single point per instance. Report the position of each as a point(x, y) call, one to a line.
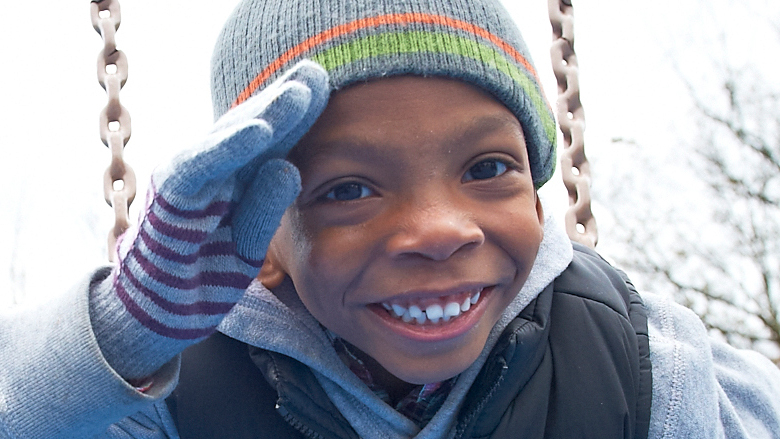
point(435, 230)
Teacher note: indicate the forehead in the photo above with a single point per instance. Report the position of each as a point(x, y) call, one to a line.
point(405, 111)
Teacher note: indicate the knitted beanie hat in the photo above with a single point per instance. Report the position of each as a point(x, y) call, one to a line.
point(475, 41)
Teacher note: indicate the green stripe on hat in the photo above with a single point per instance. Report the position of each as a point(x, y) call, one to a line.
point(392, 43)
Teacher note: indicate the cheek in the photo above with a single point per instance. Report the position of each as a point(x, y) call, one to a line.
point(328, 257)
point(519, 231)
point(336, 248)
point(293, 247)
point(322, 262)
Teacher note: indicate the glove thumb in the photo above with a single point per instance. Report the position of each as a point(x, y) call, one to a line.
point(260, 210)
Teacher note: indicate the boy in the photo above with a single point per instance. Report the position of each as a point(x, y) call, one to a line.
point(408, 281)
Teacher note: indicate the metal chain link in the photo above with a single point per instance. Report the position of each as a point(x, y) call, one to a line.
point(119, 179)
point(575, 170)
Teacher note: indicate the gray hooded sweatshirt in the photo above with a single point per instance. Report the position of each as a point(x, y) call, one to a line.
point(55, 383)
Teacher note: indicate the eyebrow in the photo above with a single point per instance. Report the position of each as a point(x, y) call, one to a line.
point(469, 132)
point(478, 126)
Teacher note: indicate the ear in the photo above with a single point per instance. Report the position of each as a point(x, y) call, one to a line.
point(272, 274)
point(539, 209)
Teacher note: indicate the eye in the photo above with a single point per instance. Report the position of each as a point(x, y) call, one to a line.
point(348, 191)
point(485, 169)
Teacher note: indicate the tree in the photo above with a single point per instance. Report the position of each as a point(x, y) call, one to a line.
point(716, 251)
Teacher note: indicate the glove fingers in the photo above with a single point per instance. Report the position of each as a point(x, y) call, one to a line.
point(287, 130)
point(286, 112)
point(237, 146)
point(266, 105)
point(315, 78)
point(218, 156)
point(257, 215)
point(306, 72)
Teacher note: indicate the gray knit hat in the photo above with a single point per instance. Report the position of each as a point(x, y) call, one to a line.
point(355, 40)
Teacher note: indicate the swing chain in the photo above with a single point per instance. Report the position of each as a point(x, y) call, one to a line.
point(119, 179)
point(575, 169)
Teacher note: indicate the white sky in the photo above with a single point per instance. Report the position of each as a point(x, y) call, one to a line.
point(52, 216)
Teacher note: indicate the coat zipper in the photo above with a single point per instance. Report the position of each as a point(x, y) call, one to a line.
point(298, 425)
point(467, 420)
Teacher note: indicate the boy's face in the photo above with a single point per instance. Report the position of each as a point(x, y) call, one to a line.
point(417, 195)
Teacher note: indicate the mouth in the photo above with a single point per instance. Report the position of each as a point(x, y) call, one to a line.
point(433, 311)
point(434, 318)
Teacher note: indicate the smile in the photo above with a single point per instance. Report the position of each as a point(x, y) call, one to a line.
point(443, 309)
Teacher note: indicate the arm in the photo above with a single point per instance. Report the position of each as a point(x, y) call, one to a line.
point(703, 387)
point(54, 381)
point(110, 348)
point(749, 393)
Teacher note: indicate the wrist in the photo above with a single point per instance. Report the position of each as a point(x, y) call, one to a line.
point(134, 351)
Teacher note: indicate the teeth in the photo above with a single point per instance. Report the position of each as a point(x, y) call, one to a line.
point(434, 313)
point(416, 313)
point(451, 310)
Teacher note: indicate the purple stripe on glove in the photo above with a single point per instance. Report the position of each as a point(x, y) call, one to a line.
point(212, 212)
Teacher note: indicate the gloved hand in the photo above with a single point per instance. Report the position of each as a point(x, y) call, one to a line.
point(209, 218)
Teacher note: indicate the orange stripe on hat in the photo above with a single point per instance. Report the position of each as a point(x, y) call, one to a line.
point(413, 17)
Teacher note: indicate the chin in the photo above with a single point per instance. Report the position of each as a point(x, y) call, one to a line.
point(430, 371)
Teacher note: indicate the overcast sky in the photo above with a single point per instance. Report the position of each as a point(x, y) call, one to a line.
point(51, 207)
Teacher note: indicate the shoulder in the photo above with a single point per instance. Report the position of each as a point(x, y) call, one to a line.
point(591, 277)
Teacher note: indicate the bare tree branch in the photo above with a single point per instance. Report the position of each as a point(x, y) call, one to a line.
point(729, 280)
point(744, 137)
